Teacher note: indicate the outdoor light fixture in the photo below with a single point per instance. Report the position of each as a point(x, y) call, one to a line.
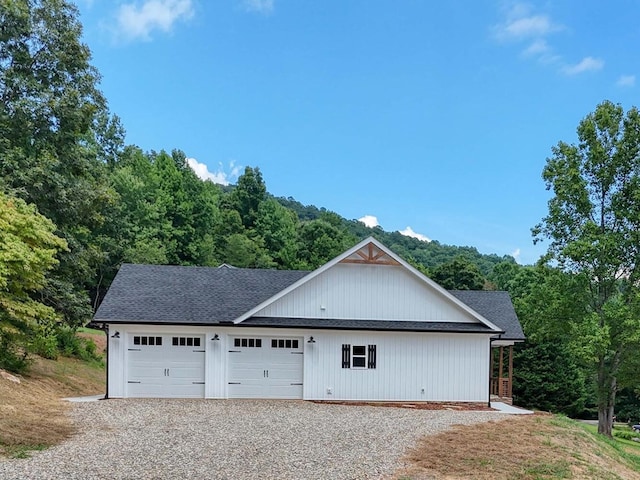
point(311, 340)
point(215, 338)
point(116, 335)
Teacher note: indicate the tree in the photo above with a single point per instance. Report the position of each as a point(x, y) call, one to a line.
point(28, 247)
point(249, 193)
point(458, 274)
point(55, 139)
point(593, 226)
point(319, 241)
point(547, 376)
point(242, 251)
point(552, 369)
point(277, 226)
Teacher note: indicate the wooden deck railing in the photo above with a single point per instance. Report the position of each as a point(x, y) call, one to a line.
point(501, 387)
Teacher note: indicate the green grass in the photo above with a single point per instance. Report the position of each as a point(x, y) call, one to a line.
point(90, 330)
point(549, 470)
point(627, 449)
point(22, 451)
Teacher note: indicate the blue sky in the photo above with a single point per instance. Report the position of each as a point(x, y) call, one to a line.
point(432, 117)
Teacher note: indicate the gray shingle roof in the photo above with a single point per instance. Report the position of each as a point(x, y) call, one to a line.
point(495, 307)
point(203, 295)
point(163, 294)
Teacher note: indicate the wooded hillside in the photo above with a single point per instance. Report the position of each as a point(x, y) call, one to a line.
point(76, 202)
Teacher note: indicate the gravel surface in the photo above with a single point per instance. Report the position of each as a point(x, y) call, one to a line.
point(234, 439)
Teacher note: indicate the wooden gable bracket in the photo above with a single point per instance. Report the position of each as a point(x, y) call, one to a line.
point(370, 255)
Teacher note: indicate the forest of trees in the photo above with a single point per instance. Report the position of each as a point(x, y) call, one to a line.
point(76, 202)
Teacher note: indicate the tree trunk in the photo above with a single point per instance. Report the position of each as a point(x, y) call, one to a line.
point(607, 386)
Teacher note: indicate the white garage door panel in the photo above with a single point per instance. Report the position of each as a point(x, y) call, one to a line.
point(145, 372)
point(146, 389)
point(284, 391)
point(267, 370)
point(164, 369)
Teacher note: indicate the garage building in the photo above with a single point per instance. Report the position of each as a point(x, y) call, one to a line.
point(365, 326)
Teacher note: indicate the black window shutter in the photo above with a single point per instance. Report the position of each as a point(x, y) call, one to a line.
point(372, 357)
point(346, 355)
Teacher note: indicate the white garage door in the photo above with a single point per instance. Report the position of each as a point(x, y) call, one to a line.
point(265, 367)
point(165, 366)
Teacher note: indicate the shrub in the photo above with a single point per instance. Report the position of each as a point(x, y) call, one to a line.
point(70, 345)
point(626, 434)
point(46, 346)
point(12, 358)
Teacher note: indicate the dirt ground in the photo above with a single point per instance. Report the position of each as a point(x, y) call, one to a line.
point(526, 447)
point(31, 412)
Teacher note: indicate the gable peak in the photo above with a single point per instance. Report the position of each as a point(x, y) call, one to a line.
point(370, 254)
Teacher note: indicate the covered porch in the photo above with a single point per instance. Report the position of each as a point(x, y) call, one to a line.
point(501, 381)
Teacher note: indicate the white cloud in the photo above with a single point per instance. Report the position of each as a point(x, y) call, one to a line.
point(523, 26)
point(538, 47)
point(264, 7)
point(587, 64)
point(408, 232)
point(516, 254)
point(221, 177)
point(137, 21)
point(370, 221)
point(520, 24)
point(626, 81)
point(526, 27)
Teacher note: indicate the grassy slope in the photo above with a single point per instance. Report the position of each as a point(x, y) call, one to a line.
point(31, 412)
point(526, 447)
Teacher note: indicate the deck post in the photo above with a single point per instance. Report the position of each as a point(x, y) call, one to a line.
point(500, 373)
point(510, 392)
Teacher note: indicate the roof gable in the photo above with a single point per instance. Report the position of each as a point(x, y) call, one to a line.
point(370, 252)
point(210, 295)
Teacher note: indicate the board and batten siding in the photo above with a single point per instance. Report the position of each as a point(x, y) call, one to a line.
point(409, 367)
point(376, 292)
point(115, 367)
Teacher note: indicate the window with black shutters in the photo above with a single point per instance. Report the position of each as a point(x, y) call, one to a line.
point(358, 356)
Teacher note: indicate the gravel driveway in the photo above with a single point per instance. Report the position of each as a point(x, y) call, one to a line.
point(234, 439)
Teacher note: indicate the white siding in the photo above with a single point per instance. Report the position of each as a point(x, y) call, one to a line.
point(117, 348)
point(449, 367)
point(377, 292)
point(216, 365)
point(409, 367)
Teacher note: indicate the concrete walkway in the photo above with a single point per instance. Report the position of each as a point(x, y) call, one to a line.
point(510, 409)
point(90, 398)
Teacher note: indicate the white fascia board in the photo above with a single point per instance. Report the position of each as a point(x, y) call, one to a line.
point(440, 290)
point(350, 252)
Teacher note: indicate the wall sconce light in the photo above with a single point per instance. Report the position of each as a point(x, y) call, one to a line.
point(116, 335)
point(311, 340)
point(215, 338)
